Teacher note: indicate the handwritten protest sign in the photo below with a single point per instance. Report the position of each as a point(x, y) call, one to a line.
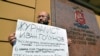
point(34, 39)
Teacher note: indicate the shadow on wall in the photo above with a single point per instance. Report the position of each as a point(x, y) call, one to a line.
point(91, 4)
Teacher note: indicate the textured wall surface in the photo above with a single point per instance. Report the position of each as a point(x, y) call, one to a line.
point(81, 26)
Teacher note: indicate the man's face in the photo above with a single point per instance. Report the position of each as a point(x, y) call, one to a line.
point(43, 18)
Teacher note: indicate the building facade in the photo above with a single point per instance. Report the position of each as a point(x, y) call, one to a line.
point(63, 14)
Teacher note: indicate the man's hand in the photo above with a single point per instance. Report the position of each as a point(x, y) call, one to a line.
point(69, 42)
point(12, 38)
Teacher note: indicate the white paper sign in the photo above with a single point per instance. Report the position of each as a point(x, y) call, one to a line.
point(34, 39)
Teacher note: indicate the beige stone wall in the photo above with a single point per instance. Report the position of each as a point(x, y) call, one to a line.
point(98, 20)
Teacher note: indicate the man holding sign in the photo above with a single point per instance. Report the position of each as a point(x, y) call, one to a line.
point(33, 41)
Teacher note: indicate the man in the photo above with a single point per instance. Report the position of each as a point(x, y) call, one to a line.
point(43, 18)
